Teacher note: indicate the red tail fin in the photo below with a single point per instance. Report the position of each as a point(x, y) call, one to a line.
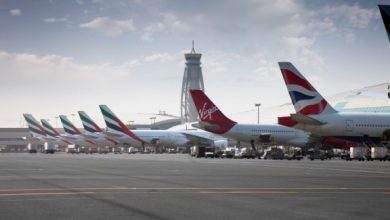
point(213, 119)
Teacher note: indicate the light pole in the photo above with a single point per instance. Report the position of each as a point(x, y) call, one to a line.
point(56, 121)
point(258, 112)
point(130, 124)
point(152, 120)
point(72, 117)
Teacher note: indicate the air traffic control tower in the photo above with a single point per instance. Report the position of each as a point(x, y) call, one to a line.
point(192, 79)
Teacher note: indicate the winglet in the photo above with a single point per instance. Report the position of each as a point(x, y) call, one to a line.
point(113, 122)
point(212, 119)
point(305, 98)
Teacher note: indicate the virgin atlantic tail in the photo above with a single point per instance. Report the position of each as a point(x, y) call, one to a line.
point(305, 98)
point(212, 119)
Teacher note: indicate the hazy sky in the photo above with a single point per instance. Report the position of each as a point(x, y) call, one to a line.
point(58, 57)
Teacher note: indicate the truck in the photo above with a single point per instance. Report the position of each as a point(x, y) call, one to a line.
point(49, 148)
point(71, 149)
point(378, 153)
point(357, 153)
point(132, 150)
point(31, 148)
point(273, 153)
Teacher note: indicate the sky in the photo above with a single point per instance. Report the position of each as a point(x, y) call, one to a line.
point(62, 56)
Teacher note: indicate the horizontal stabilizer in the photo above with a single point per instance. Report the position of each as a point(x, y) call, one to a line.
point(287, 121)
point(304, 119)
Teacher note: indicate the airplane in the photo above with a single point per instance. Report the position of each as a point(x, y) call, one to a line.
point(74, 134)
point(93, 131)
point(39, 135)
point(139, 138)
point(385, 12)
point(213, 120)
point(315, 115)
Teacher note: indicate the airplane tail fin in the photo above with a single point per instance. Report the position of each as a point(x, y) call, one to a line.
point(88, 123)
point(50, 131)
point(305, 98)
point(113, 122)
point(385, 12)
point(212, 118)
point(34, 126)
point(69, 126)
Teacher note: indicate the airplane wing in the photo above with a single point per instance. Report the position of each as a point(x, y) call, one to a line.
point(195, 139)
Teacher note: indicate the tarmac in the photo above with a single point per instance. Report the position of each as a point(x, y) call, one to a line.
point(176, 186)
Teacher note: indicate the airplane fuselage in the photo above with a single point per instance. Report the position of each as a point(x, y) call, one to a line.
point(279, 135)
point(357, 127)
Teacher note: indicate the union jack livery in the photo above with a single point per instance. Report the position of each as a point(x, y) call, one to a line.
point(305, 98)
point(315, 115)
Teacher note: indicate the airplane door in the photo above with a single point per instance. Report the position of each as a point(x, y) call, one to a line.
point(349, 125)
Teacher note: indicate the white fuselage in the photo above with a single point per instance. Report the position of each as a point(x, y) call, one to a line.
point(350, 126)
point(176, 138)
point(99, 138)
point(280, 135)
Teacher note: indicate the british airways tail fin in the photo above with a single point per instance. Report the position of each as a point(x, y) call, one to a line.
point(34, 126)
point(88, 123)
point(113, 122)
point(50, 131)
point(305, 98)
point(385, 12)
point(212, 118)
point(69, 126)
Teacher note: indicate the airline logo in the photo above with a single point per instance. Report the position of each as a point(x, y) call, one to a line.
point(88, 123)
point(206, 113)
point(68, 126)
point(49, 129)
point(33, 125)
point(116, 124)
point(212, 119)
point(385, 12)
point(304, 96)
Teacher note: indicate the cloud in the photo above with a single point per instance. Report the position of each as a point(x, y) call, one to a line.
point(170, 24)
point(160, 57)
point(15, 12)
point(353, 15)
point(301, 49)
point(110, 27)
point(30, 69)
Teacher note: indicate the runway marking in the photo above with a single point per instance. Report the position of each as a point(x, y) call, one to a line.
point(199, 189)
point(45, 193)
point(326, 168)
point(248, 192)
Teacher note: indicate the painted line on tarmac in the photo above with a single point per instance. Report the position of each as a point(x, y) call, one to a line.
point(33, 191)
point(326, 168)
point(44, 193)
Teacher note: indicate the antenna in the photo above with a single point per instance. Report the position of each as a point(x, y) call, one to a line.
point(193, 47)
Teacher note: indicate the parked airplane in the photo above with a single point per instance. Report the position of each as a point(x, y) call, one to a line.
point(213, 120)
point(140, 138)
point(40, 136)
point(74, 134)
point(385, 12)
point(93, 131)
point(315, 115)
point(52, 133)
